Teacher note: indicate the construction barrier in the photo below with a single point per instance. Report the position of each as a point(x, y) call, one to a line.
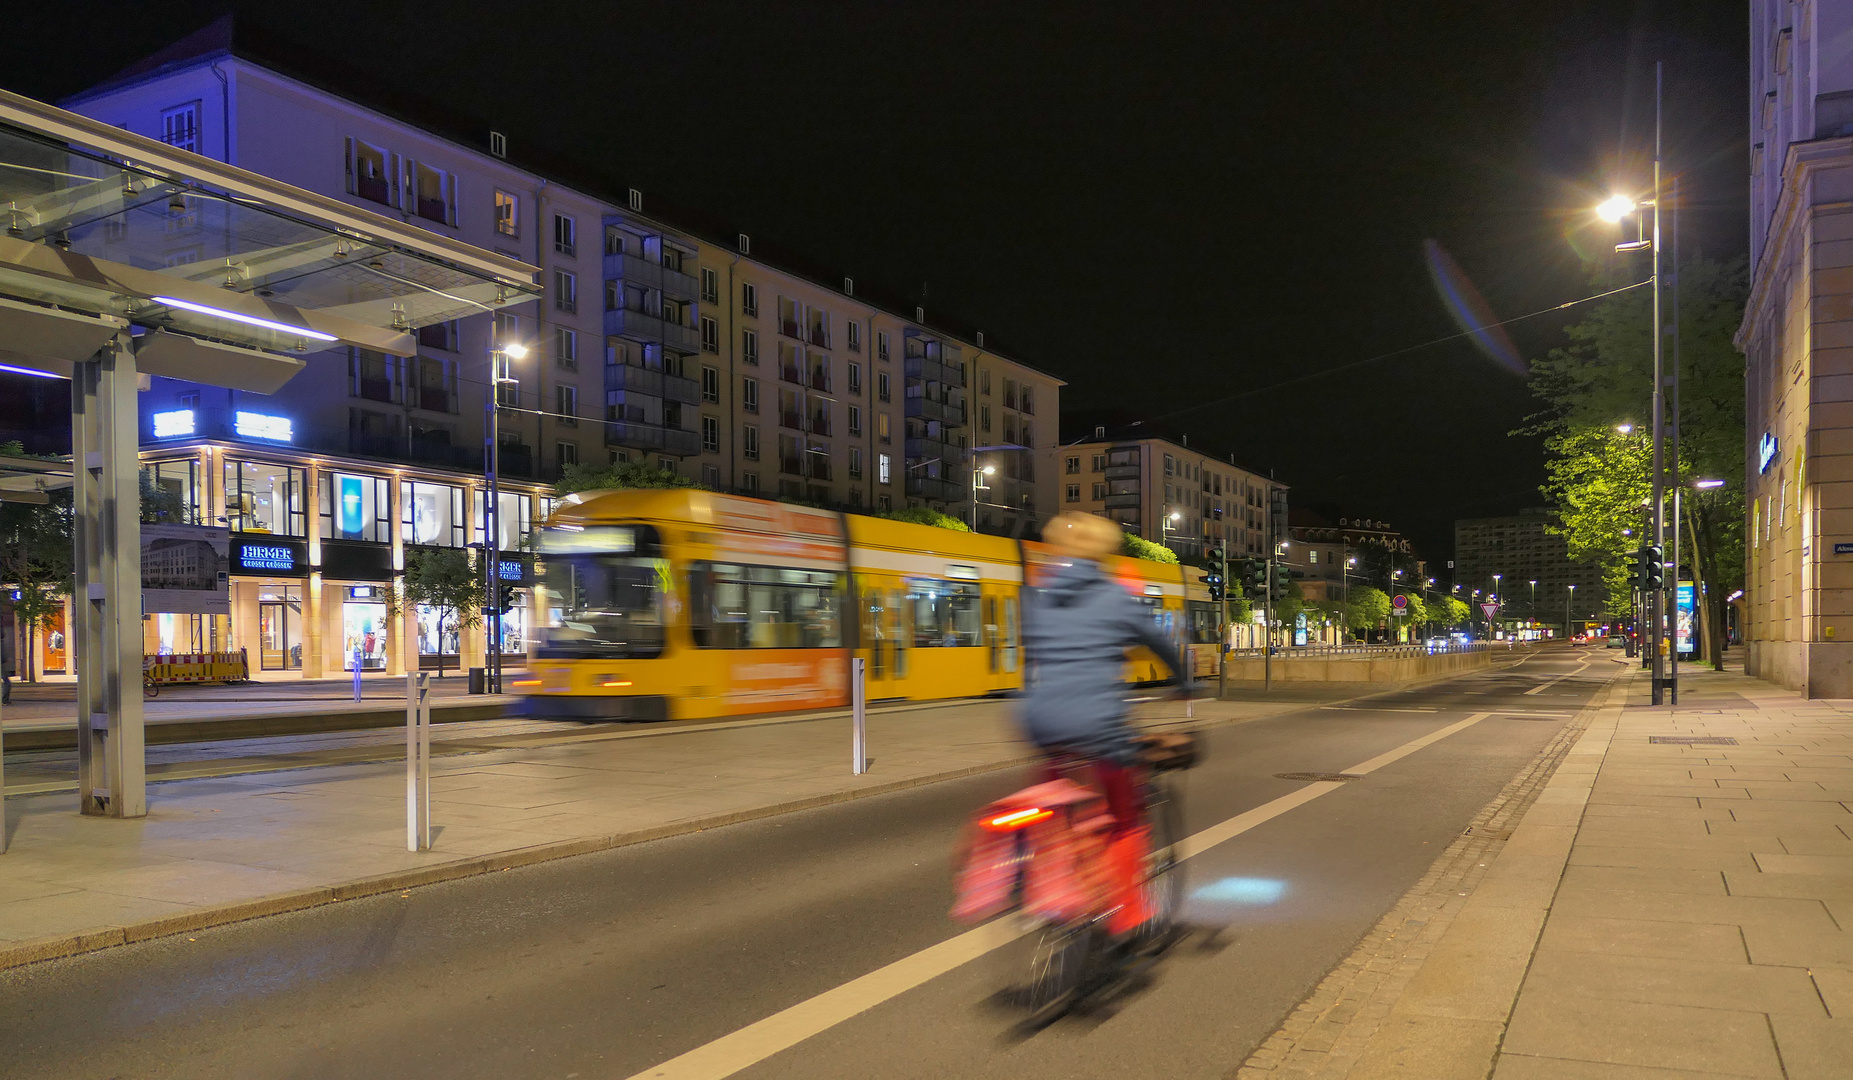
point(171, 669)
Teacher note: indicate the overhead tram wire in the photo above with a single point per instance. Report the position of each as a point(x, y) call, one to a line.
point(1390, 355)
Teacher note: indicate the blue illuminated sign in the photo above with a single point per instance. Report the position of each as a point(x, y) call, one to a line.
point(260, 426)
point(508, 570)
point(349, 488)
point(172, 425)
point(1765, 452)
point(267, 557)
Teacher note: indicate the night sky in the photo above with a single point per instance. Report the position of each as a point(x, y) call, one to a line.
point(1164, 204)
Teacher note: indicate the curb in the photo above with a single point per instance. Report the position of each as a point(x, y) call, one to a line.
point(258, 725)
point(53, 948)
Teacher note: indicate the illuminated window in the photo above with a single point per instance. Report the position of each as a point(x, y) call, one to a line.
point(180, 127)
point(507, 214)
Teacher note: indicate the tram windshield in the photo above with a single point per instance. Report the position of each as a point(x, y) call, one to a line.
point(602, 604)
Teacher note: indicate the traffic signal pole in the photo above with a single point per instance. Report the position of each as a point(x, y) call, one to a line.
point(1222, 624)
point(1657, 598)
point(1267, 626)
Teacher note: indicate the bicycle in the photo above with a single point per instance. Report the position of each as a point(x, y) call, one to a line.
point(150, 688)
point(1071, 951)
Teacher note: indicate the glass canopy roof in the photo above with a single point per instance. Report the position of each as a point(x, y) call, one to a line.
point(166, 238)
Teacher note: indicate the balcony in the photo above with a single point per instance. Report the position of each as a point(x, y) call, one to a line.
point(1124, 472)
point(641, 271)
point(791, 418)
point(642, 326)
point(792, 372)
point(1128, 500)
point(642, 380)
point(923, 449)
point(920, 367)
point(933, 487)
point(641, 436)
point(926, 408)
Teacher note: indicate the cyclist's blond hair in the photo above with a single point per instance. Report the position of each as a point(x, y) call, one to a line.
point(1083, 536)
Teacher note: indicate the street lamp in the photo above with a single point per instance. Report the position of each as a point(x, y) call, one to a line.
point(501, 358)
point(1625, 429)
point(1569, 596)
point(978, 485)
point(1164, 526)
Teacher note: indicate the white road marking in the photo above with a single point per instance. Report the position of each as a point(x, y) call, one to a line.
point(1541, 687)
point(782, 1030)
point(1370, 708)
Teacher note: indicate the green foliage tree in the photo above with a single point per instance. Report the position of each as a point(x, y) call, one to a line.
point(1138, 547)
point(1604, 377)
point(449, 581)
point(926, 515)
point(36, 562)
point(1367, 607)
point(1415, 614)
point(1445, 613)
point(618, 476)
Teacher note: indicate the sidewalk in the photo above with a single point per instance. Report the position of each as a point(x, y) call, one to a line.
point(218, 850)
point(1669, 910)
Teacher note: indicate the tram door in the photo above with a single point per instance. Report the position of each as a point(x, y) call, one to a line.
point(877, 643)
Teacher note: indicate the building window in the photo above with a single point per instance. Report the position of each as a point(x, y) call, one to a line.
point(710, 335)
point(881, 386)
point(1010, 393)
point(749, 482)
point(710, 384)
point(984, 417)
point(710, 435)
point(882, 431)
point(854, 331)
point(710, 286)
point(855, 419)
point(675, 312)
point(507, 214)
point(265, 498)
point(855, 375)
point(1074, 492)
point(565, 235)
point(441, 335)
point(666, 464)
point(749, 442)
point(354, 507)
point(366, 172)
point(566, 348)
point(507, 328)
point(180, 126)
point(1073, 465)
point(614, 240)
point(566, 402)
point(433, 192)
point(855, 462)
point(881, 470)
point(179, 484)
point(749, 299)
point(881, 344)
point(749, 395)
point(711, 476)
point(984, 381)
point(565, 291)
point(1100, 492)
point(1029, 435)
point(371, 375)
point(566, 453)
point(749, 347)
point(1026, 403)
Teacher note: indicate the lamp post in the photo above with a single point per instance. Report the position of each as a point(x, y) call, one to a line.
point(978, 485)
point(1568, 596)
point(1164, 527)
point(1531, 609)
point(501, 357)
point(1613, 210)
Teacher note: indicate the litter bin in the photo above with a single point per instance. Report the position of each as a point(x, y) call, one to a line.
point(478, 684)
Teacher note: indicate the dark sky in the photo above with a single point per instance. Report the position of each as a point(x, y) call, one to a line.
point(1162, 203)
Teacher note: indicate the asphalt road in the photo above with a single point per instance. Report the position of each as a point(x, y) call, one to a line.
point(606, 965)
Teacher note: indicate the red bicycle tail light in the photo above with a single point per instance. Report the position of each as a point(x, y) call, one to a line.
point(1018, 819)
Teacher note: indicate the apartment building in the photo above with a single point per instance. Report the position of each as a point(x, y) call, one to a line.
point(648, 343)
point(1168, 493)
point(1523, 548)
point(1798, 587)
point(1328, 557)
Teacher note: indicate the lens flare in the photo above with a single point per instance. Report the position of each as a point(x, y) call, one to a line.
point(1470, 309)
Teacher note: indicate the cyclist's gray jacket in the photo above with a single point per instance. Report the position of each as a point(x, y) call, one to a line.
point(1076, 629)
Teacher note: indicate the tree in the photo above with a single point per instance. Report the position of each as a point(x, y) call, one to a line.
point(1445, 613)
point(1366, 608)
point(449, 581)
point(36, 562)
point(1415, 614)
point(1138, 547)
point(926, 515)
point(1605, 377)
point(617, 476)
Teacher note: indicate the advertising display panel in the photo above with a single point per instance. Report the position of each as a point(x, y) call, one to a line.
point(186, 570)
point(1686, 634)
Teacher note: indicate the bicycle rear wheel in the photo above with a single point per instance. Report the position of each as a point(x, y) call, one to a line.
point(1164, 875)
point(1061, 961)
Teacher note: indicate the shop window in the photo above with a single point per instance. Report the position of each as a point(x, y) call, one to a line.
point(432, 514)
point(516, 522)
point(364, 628)
point(355, 507)
point(264, 498)
point(173, 497)
point(279, 628)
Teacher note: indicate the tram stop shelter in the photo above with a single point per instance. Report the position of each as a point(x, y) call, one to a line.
point(90, 292)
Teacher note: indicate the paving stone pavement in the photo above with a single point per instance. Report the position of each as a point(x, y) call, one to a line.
point(1667, 910)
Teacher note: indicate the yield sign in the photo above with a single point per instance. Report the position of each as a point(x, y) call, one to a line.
point(1489, 608)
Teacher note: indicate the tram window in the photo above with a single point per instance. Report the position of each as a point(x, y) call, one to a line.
point(764, 607)
point(609, 606)
point(946, 614)
point(1202, 622)
point(899, 634)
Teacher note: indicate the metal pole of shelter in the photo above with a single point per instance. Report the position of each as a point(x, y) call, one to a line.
point(417, 761)
point(1673, 584)
point(492, 532)
point(106, 538)
point(1656, 615)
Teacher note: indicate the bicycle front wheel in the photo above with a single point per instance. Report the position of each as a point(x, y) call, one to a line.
point(1164, 874)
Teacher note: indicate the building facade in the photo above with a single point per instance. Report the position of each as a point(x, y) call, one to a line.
point(1797, 338)
point(650, 344)
point(1327, 558)
point(1169, 494)
point(1521, 549)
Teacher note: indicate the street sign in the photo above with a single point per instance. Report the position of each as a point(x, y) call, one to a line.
point(1489, 608)
point(1399, 602)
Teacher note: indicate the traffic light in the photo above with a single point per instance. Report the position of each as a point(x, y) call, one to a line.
point(1654, 568)
point(1282, 579)
point(1213, 579)
point(1255, 578)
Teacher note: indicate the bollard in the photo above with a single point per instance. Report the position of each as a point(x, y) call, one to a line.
point(356, 676)
point(2, 793)
point(417, 761)
point(859, 719)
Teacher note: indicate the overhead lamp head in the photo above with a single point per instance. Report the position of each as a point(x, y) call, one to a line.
point(515, 350)
point(1708, 483)
point(1615, 207)
point(1625, 429)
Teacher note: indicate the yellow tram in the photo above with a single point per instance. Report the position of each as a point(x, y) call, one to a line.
point(683, 604)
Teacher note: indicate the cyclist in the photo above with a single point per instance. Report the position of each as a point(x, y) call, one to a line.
point(1076, 626)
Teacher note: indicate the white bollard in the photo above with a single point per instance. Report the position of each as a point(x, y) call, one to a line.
point(357, 662)
point(859, 719)
point(2, 794)
point(417, 761)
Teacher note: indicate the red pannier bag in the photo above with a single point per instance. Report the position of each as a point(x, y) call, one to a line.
point(1053, 836)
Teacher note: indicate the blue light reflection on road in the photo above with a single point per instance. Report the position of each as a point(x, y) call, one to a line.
point(1246, 891)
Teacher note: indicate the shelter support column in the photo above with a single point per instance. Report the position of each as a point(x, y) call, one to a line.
point(107, 606)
